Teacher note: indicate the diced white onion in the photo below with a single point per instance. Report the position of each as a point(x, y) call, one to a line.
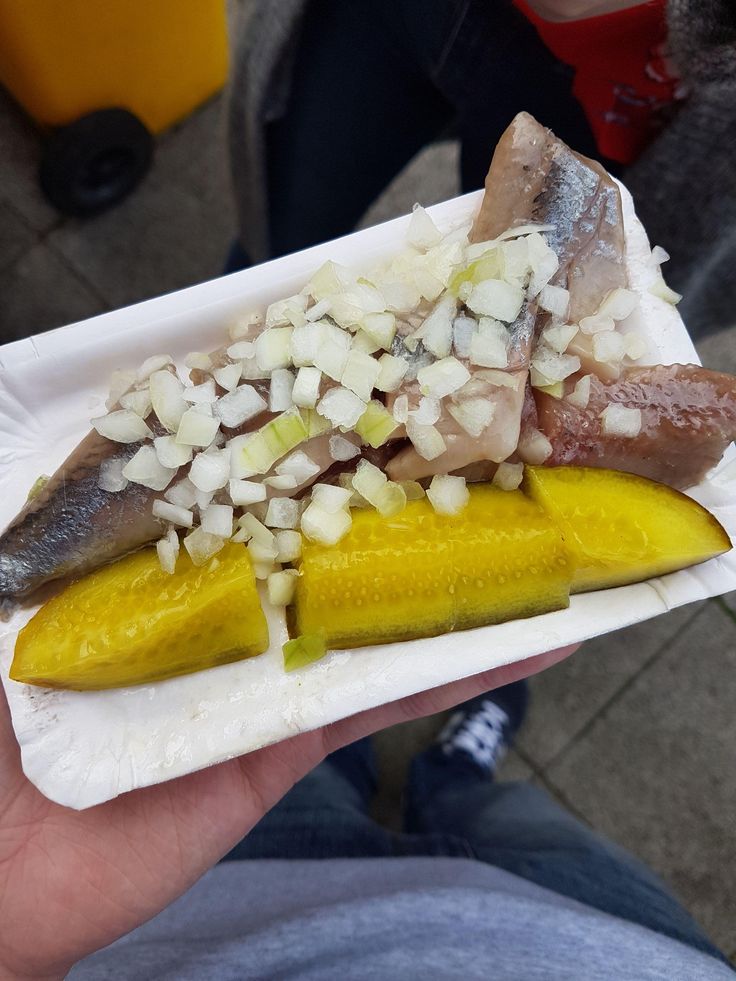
point(249, 372)
point(413, 490)
point(122, 426)
point(282, 384)
point(241, 350)
point(298, 465)
point(283, 512)
point(144, 468)
point(635, 345)
point(496, 298)
point(559, 338)
point(662, 290)
point(288, 311)
point(172, 513)
point(323, 526)
point(543, 261)
point(549, 367)
point(138, 401)
point(210, 471)
point(619, 304)
point(281, 587)
point(110, 477)
point(436, 331)
point(442, 378)
point(342, 449)
point(608, 347)
point(284, 481)
point(422, 231)
point(508, 476)
point(400, 297)
point(256, 530)
point(330, 498)
point(488, 350)
point(170, 453)
point(244, 325)
point(463, 329)
point(183, 493)
point(401, 409)
point(288, 546)
point(196, 429)
point(596, 324)
point(659, 255)
point(331, 358)
point(427, 413)
point(555, 300)
point(501, 379)
point(428, 285)
point(120, 382)
point(368, 481)
point(204, 393)
point(580, 395)
point(202, 546)
point(167, 554)
point(273, 348)
point(305, 342)
point(342, 407)
point(360, 374)
point(534, 447)
point(448, 495)
point(217, 519)
point(239, 406)
point(474, 415)
point(380, 327)
point(167, 399)
point(620, 420)
point(228, 376)
point(306, 387)
point(363, 342)
point(150, 365)
point(245, 492)
point(319, 310)
point(198, 360)
point(427, 440)
point(391, 373)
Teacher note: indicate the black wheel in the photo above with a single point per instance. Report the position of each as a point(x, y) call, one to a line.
point(93, 163)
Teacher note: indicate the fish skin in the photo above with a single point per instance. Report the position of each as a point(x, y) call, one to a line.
point(688, 419)
point(72, 526)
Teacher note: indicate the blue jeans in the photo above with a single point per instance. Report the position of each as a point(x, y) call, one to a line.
point(454, 809)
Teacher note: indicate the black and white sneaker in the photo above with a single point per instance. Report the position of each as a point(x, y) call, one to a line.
point(482, 730)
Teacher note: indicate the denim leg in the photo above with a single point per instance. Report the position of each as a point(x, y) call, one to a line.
point(519, 828)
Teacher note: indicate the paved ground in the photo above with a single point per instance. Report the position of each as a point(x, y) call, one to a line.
point(636, 733)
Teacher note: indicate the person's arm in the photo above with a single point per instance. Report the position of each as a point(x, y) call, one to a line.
point(71, 882)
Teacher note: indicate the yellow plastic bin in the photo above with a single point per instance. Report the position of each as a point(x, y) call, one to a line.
point(105, 75)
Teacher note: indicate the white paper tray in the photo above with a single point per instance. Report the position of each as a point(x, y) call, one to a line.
point(80, 749)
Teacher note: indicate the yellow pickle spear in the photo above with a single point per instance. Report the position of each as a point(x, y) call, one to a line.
point(131, 623)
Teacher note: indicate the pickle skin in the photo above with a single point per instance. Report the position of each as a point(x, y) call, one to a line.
point(131, 623)
point(623, 528)
point(420, 574)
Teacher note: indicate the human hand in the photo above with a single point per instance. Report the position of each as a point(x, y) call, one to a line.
point(71, 882)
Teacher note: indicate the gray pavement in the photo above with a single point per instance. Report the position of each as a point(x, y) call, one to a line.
point(635, 733)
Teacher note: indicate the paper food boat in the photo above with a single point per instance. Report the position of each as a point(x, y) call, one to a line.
point(82, 748)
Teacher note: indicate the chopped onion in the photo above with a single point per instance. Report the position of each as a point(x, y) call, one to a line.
point(331, 358)
point(413, 490)
point(555, 300)
point(324, 527)
point(496, 298)
point(167, 399)
point(548, 367)
point(167, 554)
point(110, 477)
point(306, 387)
point(204, 499)
point(380, 327)
point(608, 347)
point(580, 395)
point(448, 495)
point(170, 453)
point(363, 342)
point(422, 231)
point(198, 360)
point(368, 481)
point(281, 587)
point(201, 394)
point(526, 229)
point(596, 324)
point(390, 499)
point(283, 512)
point(299, 466)
point(619, 420)
point(427, 440)
point(329, 278)
point(400, 297)
point(229, 376)
point(305, 342)
point(391, 373)
point(342, 407)
point(239, 406)
point(662, 290)
point(120, 382)
point(501, 379)
point(659, 255)
point(138, 401)
point(436, 331)
point(559, 338)
point(544, 263)
point(442, 378)
point(534, 447)
point(619, 304)
point(183, 493)
point(427, 413)
point(288, 311)
point(318, 310)
point(202, 546)
point(376, 424)
point(401, 409)
point(244, 325)
point(330, 497)
point(150, 365)
point(273, 348)
point(256, 530)
point(210, 471)
point(342, 449)
point(428, 285)
point(508, 476)
point(474, 415)
point(635, 345)
point(282, 384)
point(204, 408)
point(173, 513)
point(250, 372)
point(488, 350)
point(122, 426)
point(288, 546)
point(282, 482)
point(245, 492)
point(360, 374)
point(463, 329)
point(196, 429)
point(257, 452)
point(144, 468)
point(241, 350)
point(217, 519)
